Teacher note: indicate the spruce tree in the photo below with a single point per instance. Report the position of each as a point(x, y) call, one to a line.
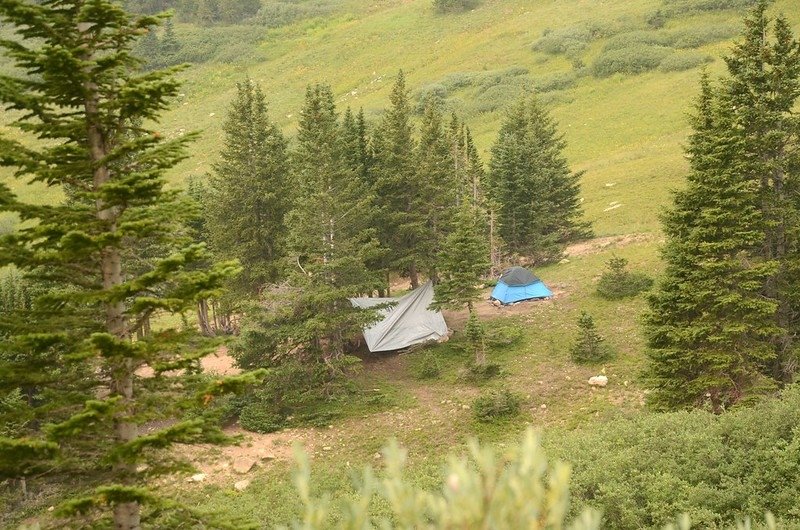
point(709, 324)
point(401, 228)
point(82, 96)
point(436, 198)
point(462, 262)
point(763, 90)
point(355, 144)
point(537, 196)
point(249, 192)
point(330, 239)
point(722, 325)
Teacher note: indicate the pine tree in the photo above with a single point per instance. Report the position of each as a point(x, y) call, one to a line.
point(401, 228)
point(436, 197)
point(330, 240)
point(462, 262)
point(83, 97)
point(537, 196)
point(763, 88)
point(709, 325)
point(355, 142)
point(249, 192)
point(589, 347)
point(169, 44)
point(722, 324)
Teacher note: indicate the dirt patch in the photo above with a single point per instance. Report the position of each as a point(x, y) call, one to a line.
point(595, 246)
point(219, 363)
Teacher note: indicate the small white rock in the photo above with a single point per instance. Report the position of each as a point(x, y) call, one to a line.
point(241, 485)
point(198, 477)
point(543, 406)
point(598, 380)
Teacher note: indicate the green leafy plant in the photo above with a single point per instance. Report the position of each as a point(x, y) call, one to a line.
point(590, 347)
point(496, 405)
point(618, 282)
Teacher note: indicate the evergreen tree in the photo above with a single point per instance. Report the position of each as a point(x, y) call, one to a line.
point(709, 324)
point(401, 228)
point(169, 44)
point(249, 192)
point(330, 239)
point(437, 192)
point(537, 196)
point(763, 90)
point(722, 324)
point(463, 260)
point(589, 347)
point(355, 144)
point(82, 96)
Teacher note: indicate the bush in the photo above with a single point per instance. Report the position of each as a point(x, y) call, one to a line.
point(633, 60)
point(642, 472)
point(496, 405)
point(636, 39)
point(590, 347)
point(454, 6)
point(428, 366)
point(483, 490)
point(434, 92)
point(481, 372)
point(618, 282)
point(700, 36)
point(673, 8)
point(678, 62)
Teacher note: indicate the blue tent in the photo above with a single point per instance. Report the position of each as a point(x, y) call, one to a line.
point(517, 284)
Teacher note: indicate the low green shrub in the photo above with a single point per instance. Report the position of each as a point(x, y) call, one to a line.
point(496, 405)
point(631, 61)
point(454, 6)
point(636, 39)
point(590, 347)
point(477, 373)
point(702, 35)
point(428, 366)
point(433, 92)
point(675, 8)
point(717, 469)
point(679, 62)
point(618, 282)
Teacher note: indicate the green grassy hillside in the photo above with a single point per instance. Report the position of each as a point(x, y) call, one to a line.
point(624, 131)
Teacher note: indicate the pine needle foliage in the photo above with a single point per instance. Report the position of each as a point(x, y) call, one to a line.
point(83, 98)
point(618, 282)
point(249, 192)
point(589, 347)
point(722, 322)
point(536, 194)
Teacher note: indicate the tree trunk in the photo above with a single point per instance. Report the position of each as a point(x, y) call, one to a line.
point(412, 272)
point(126, 514)
point(202, 318)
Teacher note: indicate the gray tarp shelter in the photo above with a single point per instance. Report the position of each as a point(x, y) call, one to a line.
point(407, 322)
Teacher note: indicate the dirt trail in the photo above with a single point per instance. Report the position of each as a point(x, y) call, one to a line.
point(595, 246)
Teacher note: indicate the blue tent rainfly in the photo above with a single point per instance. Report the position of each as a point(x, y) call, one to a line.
point(517, 284)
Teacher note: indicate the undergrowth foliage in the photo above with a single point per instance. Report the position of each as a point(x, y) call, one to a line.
point(496, 405)
point(484, 490)
point(618, 282)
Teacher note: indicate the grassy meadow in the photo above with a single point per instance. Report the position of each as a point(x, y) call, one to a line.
point(623, 131)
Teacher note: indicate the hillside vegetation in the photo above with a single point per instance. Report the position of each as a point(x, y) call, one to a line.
point(619, 79)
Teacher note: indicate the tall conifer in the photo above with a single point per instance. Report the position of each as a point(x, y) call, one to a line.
point(722, 325)
point(401, 227)
point(537, 196)
point(249, 192)
point(330, 239)
point(82, 97)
